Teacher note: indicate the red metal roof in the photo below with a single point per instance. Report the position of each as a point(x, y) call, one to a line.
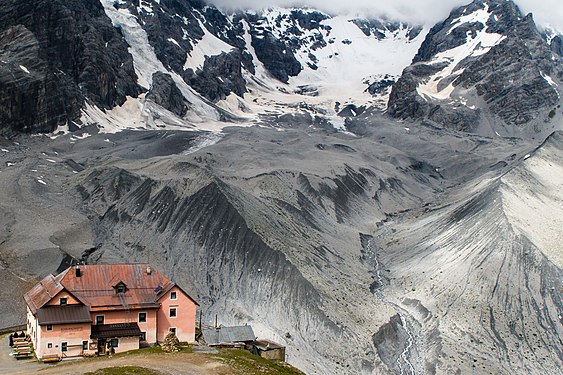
point(43, 292)
point(95, 286)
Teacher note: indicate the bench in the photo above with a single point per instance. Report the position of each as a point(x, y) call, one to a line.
point(51, 358)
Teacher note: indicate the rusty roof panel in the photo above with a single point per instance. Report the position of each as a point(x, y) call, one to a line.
point(95, 287)
point(44, 291)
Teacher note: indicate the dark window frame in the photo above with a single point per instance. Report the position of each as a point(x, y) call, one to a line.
point(114, 343)
point(84, 345)
point(49, 327)
point(97, 320)
point(63, 301)
point(144, 320)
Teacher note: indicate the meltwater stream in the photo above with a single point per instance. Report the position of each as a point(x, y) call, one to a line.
point(403, 361)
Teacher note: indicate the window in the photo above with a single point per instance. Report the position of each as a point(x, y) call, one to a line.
point(84, 345)
point(49, 327)
point(120, 287)
point(172, 330)
point(99, 319)
point(173, 295)
point(49, 345)
point(64, 346)
point(142, 317)
point(114, 343)
point(172, 312)
point(63, 300)
point(143, 336)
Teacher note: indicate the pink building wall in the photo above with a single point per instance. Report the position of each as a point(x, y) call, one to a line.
point(72, 334)
point(184, 322)
point(55, 301)
point(131, 316)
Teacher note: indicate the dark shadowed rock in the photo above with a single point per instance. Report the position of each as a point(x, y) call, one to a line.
point(73, 52)
point(219, 76)
point(165, 93)
point(276, 56)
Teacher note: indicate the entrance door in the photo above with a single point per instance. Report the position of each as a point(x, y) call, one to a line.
point(101, 346)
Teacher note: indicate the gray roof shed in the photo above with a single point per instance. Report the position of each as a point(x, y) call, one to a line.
point(228, 335)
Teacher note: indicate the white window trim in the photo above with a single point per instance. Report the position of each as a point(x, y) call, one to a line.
point(169, 312)
point(47, 327)
point(172, 328)
point(103, 316)
point(139, 317)
point(64, 342)
point(176, 295)
point(87, 344)
point(49, 343)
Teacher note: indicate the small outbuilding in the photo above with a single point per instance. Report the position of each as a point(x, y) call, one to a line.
point(226, 336)
point(269, 350)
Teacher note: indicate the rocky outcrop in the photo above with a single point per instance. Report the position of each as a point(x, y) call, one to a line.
point(60, 53)
point(557, 45)
point(276, 56)
point(220, 76)
point(165, 93)
point(379, 28)
point(505, 71)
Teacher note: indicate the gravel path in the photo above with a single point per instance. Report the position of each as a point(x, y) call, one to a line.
point(168, 364)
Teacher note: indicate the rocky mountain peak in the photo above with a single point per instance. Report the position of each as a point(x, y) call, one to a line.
point(468, 73)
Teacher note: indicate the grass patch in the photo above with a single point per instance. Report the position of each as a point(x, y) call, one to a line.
point(124, 370)
point(247, 363)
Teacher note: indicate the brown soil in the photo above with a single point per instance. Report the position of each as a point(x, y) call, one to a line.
point(165, 363)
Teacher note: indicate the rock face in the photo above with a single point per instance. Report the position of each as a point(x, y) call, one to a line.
point(165, 93)
point(220, 76)
point(276, 56)
point(59, 52)
point(486, 62)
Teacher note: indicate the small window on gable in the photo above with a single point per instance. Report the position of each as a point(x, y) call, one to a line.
point(173, 295)
point(49, 327)
point(120, 287)
point(63, 301)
